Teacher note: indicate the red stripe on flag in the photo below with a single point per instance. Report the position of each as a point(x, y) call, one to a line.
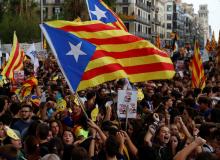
point(129, 70)
point(10, 67)
point(114, 40)
point(87, 28)
point(129, 53)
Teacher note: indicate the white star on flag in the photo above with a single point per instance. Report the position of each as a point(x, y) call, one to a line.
point(99, 13)
point(75, 51)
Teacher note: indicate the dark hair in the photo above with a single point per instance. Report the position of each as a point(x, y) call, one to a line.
point(27, 106)
point(32, 145)
point(55, 146)
point(90, 95)
point(42, 131)
point(204, 100)
point(206, 156)
point(14, 108)
point(59, 124)
point(79, 153)
point(111, 146)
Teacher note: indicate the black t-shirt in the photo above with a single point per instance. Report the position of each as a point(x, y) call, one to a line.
point(155, 153)
point(101, 156)
point(44, 149)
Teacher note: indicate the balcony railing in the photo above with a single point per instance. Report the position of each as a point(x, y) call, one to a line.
point(142, 35)
point(123, 2)
point(134, 18)
point(142, 5)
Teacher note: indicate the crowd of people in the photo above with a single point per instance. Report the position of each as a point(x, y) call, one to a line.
point(174, 121)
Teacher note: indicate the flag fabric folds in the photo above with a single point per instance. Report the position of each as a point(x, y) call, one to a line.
point(158, 44)
point(208, 46)
point(198, 76)
point(32, 53)
point(213, 42)
point(15, 61)
point(26, 88)
point(98, 10)
point(91, 53)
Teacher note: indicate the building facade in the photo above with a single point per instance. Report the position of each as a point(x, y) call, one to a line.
point(169, 5)
point(136, 15)
point(203, 14)
point(160, 19)
point(51, 8)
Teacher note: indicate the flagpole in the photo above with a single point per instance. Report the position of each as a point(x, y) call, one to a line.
point(41, 21)
point(90, 16)
point(81, 105)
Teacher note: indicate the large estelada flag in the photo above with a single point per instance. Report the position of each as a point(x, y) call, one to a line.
point(198, 76)
point(98, 10)
point(90, 53)
point(15, 61)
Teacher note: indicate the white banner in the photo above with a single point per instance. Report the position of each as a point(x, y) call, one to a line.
point(127, 101)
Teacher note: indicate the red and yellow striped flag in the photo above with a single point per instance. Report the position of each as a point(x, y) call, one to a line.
point(27, 87)
point(213, 42)
point(15, 61)
point(158, 44)
point(198, 76)
point(208, 46)
point(118, 54)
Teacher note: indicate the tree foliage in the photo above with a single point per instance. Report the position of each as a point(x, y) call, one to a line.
point(20, 16)
point(75, 8)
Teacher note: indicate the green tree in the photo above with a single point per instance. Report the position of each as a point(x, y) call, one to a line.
point(20, 16)
point(110, 3)
point(75, 8)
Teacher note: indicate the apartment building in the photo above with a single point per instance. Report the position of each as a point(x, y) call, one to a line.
point(203, 14)
point(52, 8)
point(136, 15)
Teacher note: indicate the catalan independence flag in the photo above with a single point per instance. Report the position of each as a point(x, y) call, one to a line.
point(198, 76)
point(213, 42)
point(15, 61)
point(98, 10)
point(208, 46)
point(90, 53)
point(27, 87)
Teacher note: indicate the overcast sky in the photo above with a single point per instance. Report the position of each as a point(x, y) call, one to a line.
point(214, 12)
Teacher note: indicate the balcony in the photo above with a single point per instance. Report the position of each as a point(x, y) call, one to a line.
point(142, 35)
point(152, 8)
point(134, 18)
point(157, 9)
point(153, 34)
point(143, 20)
point(127, 17)
point(124, 2)
point(143, 6)
point(157, 22)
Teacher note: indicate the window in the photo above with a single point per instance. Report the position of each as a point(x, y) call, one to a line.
point(169, 16)
point(127, 25)
point(125, 10)
point(169, 7)
point(139, 12)
point(149, 17)
point(139, 28)
point(149, 30)
point(169, 26)
point(168, 34)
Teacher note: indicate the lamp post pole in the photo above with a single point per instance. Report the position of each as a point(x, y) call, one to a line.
point(41, 21)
